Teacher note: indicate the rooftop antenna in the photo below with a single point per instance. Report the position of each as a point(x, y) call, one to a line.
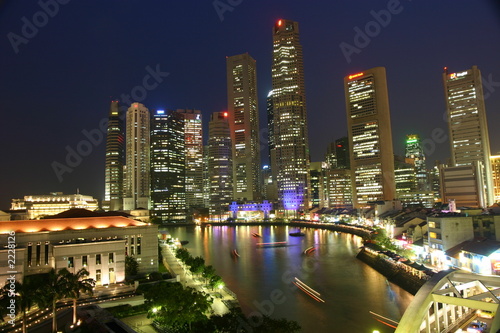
point(77, 190)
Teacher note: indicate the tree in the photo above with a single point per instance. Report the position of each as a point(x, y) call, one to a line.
point(131, 266)
point(78, 283)
point(197, 265)
point(208, 273)
point(26, 296)
point(215, 282)
point(182, 254)
point(54, 288)
point(176, 307)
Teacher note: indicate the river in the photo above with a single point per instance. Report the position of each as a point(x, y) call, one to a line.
point(262, 277)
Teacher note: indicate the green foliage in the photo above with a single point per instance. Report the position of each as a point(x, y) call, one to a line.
point(127, 310)
point(208, 272)
point(131, 266)
point(197, 265)
point(215, 282)
point(155, 276)
point(172, 305)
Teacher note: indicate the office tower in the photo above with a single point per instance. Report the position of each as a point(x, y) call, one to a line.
point(495, 172)
point(415, 151)
point(220, 166)
point(206, 178)
point(317, 188)
point(193, 138)
point(137, 169)
point(467, 123)
point(168, 167)
point(407, 184)
point(115, 159)
point(290, 136)
point(337, 154)
point(338, 188)
point(464, 185)
point(270, 122)
point(370, 137)
point(244, 124)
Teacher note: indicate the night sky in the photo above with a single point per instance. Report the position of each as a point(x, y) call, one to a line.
point(57, 81)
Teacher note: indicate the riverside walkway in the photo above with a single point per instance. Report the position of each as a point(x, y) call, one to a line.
point(223, 299)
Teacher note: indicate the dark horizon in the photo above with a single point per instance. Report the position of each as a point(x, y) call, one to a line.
point(60, 77)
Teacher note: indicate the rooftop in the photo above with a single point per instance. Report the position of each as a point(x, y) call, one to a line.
point(68, 224)
point(481, 246)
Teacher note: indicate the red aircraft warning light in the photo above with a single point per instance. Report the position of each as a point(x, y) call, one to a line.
point(353, 76)
point(225, 114)
point(280, 22)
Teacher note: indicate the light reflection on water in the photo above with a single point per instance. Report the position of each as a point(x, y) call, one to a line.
point(262, 275)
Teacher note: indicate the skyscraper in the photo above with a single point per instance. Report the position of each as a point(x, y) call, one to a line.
point(115, 159)
point(495, 170)
point(220, 164)
point(137, 169)
point(244, 124)
point(370, 137)
point(290, 137)
point(168, 166)
point(467, 123)
point(415, 151)
point(193, 138)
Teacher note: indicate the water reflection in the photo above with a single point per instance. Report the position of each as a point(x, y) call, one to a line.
point(262, 277)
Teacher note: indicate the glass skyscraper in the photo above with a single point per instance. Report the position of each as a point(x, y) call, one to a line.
point(137, 169)
point(193, 140)
point(115, 159)
point(168, 166)
point(290, 136)
point(244, 124)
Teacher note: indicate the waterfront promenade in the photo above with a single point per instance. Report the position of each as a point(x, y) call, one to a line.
point(223, 299)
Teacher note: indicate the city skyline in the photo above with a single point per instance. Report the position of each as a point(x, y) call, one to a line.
point(58, 111)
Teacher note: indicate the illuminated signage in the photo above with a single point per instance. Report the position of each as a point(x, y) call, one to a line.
point(355, 76)
point(160, 111)
point(496, 266)
point(457, 75)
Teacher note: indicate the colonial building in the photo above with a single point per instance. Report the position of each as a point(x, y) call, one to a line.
point(98, 244)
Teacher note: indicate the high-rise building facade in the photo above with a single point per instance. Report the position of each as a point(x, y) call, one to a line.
point(370, 136)
point(338, 188)
point(137, 169)
point(115, 159)
point(220, 165)
point(415, 151)
point(337, 154)
point(495, 171)
point(290, 137)
point(193, 138)
point(467, 123)
point(168, 166)
point(244, 124)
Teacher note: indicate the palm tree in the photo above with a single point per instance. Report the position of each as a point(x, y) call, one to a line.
point(78, 283)
point(26, 296)
point(53, 289)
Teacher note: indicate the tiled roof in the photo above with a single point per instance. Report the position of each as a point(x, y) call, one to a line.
point(67, 224)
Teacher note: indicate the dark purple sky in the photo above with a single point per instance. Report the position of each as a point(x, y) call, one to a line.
point(60, 80)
